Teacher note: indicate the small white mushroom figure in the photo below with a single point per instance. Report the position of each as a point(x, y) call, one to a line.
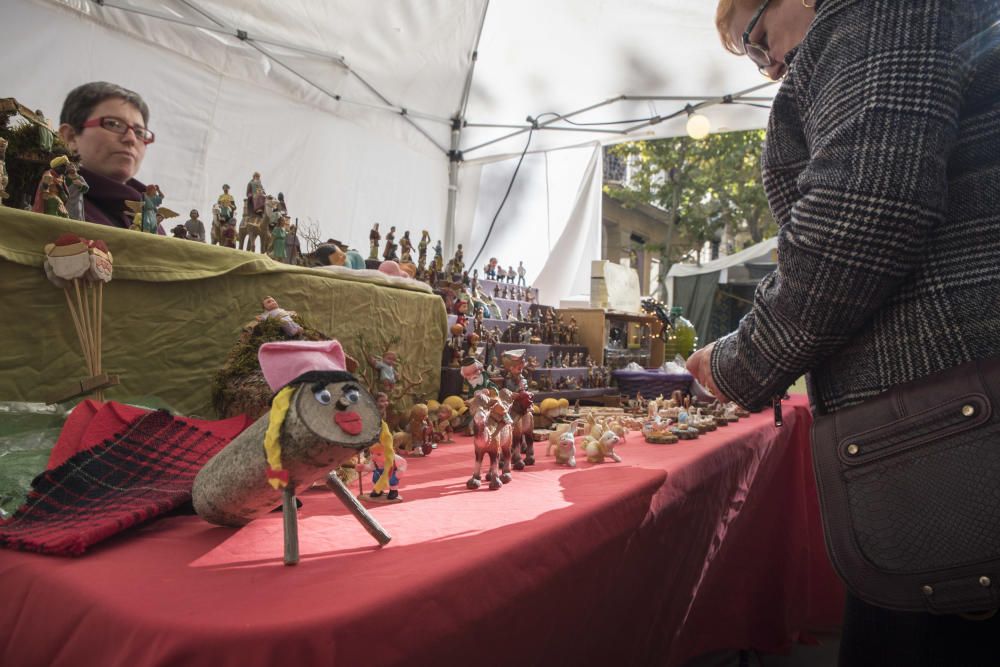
point(320, 417)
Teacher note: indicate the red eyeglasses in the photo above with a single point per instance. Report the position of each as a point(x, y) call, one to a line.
point(120, 126)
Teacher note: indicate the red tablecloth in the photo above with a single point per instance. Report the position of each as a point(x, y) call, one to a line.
point(679, 550)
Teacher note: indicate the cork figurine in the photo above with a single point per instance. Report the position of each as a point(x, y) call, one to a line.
point(320, 417)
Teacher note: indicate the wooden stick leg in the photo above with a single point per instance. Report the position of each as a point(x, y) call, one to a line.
point(357, 509)
point(291, 520)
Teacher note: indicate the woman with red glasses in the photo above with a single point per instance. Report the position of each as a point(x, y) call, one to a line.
point(882, 169)
point(105, 125)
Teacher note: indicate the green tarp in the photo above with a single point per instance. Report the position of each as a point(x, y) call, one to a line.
point(175, 308)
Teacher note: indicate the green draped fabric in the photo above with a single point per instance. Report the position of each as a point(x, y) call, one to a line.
point(174, 308)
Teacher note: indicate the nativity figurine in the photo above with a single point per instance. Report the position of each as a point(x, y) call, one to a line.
point(273, 311)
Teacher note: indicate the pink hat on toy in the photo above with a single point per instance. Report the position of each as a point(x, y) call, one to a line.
point(391, 268)
point(283, 362)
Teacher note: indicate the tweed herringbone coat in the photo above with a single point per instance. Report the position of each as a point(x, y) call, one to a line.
point(882, 169)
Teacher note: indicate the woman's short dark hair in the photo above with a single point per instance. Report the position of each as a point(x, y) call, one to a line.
point(81, 102)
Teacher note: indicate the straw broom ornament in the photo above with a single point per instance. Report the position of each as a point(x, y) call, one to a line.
point(81, 267)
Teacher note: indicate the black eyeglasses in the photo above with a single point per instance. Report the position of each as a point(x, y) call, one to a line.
point(120, 126)
point(757, 53)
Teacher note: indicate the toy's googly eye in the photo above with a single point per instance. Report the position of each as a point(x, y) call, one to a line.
point(323, 396)
point(350, 396)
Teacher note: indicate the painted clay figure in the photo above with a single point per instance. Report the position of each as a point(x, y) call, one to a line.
point(294, 247)
point(273, 311)
point(278, 249)
point(442, 424)
point(492, 436)
point(54, 174)
point(425, 240)
point(195, 227)
point(385, 366)
point(474, 377)
point(438, 264)
point(373, 238)
point(522, 450)
point(227, 205)
point(521, 272)
point(229, 235)
point(382, 479)
point(76, 188)
point(151, 200)
point(563, 445)
point(256, 197)
point(405, 248)
point(513, 364)
point(390, 245)
point(52, 202)
point(599, 448)
point(420, 436)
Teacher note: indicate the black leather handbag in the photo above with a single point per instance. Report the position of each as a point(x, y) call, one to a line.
point(909, 485)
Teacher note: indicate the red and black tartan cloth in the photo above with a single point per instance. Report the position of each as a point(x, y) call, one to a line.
point(145, 470)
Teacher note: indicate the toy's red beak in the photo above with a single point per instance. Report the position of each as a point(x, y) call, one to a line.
point(349, 422)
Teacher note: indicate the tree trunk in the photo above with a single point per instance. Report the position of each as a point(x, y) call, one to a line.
point(674, 206)
point(753, 224)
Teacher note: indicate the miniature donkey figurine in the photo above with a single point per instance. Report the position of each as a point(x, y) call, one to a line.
point(320, 417)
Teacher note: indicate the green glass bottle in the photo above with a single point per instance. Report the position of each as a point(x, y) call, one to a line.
point(685, 338)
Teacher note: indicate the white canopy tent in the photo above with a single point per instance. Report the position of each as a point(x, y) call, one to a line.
point(412, 114)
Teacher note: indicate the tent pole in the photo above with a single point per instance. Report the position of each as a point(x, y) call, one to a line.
point(454, 160)
point(455, 154)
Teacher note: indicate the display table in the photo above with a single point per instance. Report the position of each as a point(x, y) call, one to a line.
point(677, 551)
point(175, 308)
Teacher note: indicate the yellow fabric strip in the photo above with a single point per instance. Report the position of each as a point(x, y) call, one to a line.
point(272, 439)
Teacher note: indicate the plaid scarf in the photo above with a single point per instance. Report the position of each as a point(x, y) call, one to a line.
point(145, 470)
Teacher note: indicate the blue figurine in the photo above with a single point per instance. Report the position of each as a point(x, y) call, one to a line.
point(150, 202)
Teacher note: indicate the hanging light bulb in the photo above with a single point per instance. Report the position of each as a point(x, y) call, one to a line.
point(698, 126)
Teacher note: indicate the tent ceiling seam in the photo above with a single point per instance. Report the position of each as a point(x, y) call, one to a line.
point(701, 104)
point(221, 28)
point(243, 36)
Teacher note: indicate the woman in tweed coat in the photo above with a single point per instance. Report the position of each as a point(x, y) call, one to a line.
point(882, 169)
